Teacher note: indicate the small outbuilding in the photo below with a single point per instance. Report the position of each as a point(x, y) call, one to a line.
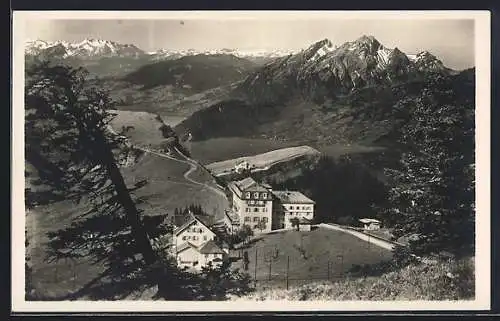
point(305, 224)
point(370, 224)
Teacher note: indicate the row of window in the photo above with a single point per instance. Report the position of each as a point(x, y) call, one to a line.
point(304, 208)
point(194, 238)
point(194, 230)
point(256, 209)
point(256, 195)
point(256, 219)
point(252, 202)
point(299, 213)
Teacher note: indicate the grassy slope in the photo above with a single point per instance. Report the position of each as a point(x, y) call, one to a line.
point(264, 159)
point(199, 72)
point(422, 281)
point(342, 121)
point(165, 100)
point(320, 245)
point(57, 278)
point(167, 188)
point(146, 126)
point(209, 151)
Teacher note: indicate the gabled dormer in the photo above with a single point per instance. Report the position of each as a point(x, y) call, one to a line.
point(249, 189)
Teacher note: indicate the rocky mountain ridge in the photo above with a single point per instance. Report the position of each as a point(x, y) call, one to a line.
point(322, 70)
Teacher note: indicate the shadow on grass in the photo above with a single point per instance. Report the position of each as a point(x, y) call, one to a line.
point(105, 240)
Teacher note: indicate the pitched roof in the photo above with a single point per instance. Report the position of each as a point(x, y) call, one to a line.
point(185, 246)
point(203, 221)
point(248, 183)
point(292, 197)
point(210, 248)
point(304, 220)
point(232, 216)
point(369, 220)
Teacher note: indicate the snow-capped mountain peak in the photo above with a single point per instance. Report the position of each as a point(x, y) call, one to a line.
point(241, 53)
point(319, 50)
point(324, 67)
point(424, 60)
point(87, 48)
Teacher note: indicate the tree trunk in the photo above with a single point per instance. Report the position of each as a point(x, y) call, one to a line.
point(138, 232)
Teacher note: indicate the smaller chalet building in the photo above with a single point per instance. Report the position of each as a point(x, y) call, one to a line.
point(195, 246)
point(194, 231)
point(195, 257)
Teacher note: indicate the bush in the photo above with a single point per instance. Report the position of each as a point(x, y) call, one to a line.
point(219, 282)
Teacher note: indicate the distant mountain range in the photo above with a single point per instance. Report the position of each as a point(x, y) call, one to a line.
point(88, 48)
point(253, 55)
point(97, 48)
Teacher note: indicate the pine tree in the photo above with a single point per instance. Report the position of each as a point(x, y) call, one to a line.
point(433, 193)
point(69, 142)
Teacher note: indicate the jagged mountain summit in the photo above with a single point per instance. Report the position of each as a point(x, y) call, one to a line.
point(323, 69)
point(88, 48)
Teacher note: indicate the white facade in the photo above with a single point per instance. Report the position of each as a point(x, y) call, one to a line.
point(253, 203)
point(194, 231)
point(263, 209)
point(290, 205)
point(296, 210)
point(195, 257)
point(189, 258)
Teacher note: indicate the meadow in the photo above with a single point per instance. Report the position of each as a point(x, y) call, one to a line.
point(144, 127)
point(436, 280)
point(320, 254)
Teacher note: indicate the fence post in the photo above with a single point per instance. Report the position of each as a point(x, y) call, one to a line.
point(74, 275)
point(287, 269)
point(270, 264)
point(328, 270)
point(255, 269)
point(341, 265)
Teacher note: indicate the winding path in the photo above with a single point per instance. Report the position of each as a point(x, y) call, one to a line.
point(193, 166)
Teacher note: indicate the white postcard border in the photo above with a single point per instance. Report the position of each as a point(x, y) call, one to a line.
point(483, 89)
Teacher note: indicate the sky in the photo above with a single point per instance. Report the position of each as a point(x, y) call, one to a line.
point(451, 40)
